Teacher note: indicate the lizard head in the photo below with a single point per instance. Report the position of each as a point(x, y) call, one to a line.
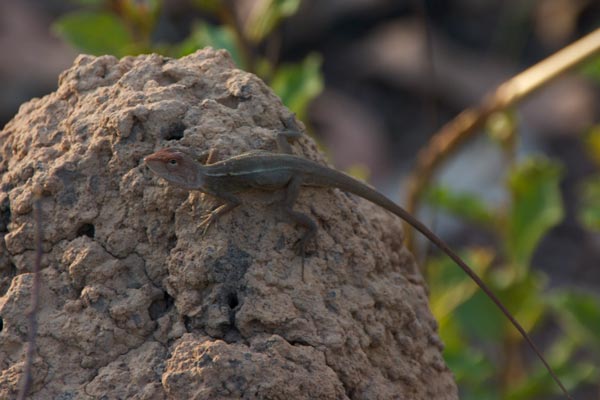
point(176, 166)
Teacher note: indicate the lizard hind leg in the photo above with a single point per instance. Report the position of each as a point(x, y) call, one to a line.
point(296, 217)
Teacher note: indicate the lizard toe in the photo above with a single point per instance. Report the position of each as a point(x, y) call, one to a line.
point(207, 221)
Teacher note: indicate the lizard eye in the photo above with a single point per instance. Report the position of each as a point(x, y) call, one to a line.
point(173, 161)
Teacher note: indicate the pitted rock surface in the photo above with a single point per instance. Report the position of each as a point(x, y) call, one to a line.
point(137, 303)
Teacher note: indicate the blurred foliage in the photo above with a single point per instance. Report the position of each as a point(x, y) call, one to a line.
point(95, 32)
point(464, 205)
point(535, 207)
point(592, 144)
point(589, 190)
point(483, 349)
point(502, 128)
point(266, 15)
point(592, 69)
point(297, 84)
point(203, 35)
point(589, 211)
point(126, 27)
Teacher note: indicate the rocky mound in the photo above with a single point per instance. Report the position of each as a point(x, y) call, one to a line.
point(136, 303)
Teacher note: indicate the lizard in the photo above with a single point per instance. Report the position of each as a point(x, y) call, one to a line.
point(270, 171)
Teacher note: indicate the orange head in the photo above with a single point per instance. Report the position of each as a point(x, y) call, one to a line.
point(176, 166)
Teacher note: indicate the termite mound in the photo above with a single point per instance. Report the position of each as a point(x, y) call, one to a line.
point(137, 303)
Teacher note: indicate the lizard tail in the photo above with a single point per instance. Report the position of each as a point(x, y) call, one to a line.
point(349, 184)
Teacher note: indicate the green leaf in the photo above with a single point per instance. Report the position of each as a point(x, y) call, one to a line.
point(541, 385)
point(592, 143)
point(265, 16)
point(523, 297)
point(470, 366)
point(502, 127)
point(589, 207)
point(450, 286)
point(592, 69)
point(463, 205)
point(358, 171)
point(535, 208)
point(579, 314)
point(96, 33)
point(572, 372)
point(203, 35)
point(142, 16)
point(455, 343)
point(480, 319)
point(90, 3)
point(298, 84)
point(208, 5)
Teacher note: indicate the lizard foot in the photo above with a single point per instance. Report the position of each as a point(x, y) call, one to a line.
point(207, 220)
point(300, 249)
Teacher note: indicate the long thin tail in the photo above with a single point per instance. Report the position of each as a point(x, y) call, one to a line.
point(446, 249)
point(348, 184)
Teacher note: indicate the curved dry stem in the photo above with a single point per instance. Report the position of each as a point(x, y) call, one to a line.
point(467, 123)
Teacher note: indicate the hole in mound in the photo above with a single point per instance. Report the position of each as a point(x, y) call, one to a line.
point(160, 307)
point(4, 215)
point(187, 322)
point(6, 278)
point(171, 242)
point(175, 132)
point(86, 230)
point(232, 300)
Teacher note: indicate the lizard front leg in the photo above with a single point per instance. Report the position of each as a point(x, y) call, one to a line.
point(229, 203)
point(289, 134)
point(207, 158)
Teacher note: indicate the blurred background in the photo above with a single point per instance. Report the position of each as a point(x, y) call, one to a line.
point(374, 80)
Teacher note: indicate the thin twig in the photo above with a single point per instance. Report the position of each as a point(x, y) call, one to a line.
point(468, 122)
point(35, 295)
